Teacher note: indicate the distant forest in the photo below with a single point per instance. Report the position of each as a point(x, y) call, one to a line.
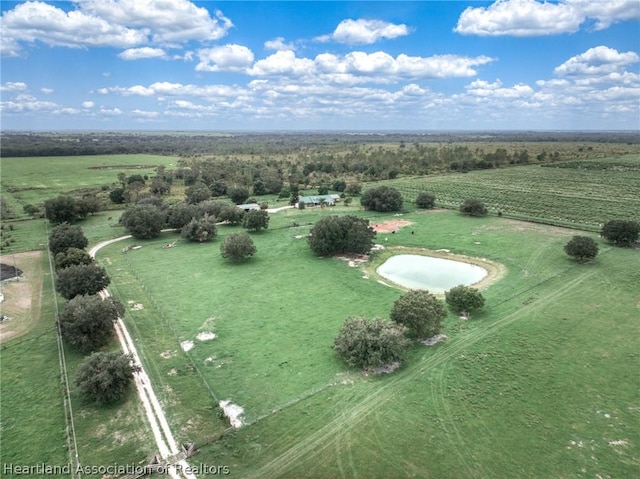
point(193, 144)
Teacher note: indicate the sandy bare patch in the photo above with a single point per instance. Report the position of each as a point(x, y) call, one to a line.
point(135, 306)
point(619, 442)
point(168, 354)
point(354, 260)
point(208, 323)
point(388, 368)
point(205, 336)
point(390, 226)
point(186, 345)
point(433, 340)
point(233, 412)
point(22, 297)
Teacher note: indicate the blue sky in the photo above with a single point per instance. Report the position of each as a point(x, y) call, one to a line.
point(300, 65)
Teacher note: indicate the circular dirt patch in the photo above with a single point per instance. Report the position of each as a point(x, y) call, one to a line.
point(390, 226)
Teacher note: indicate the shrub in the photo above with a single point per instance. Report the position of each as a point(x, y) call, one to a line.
point(231, 214)
point(31, 210)
point(582, 248)
point(218, 188)
point(201, 229)
point(353, 189)
point(339, 185)
point(255, 220)
point(420, 311)
point(237, 247)
point(238, 194)
point(118, 196)
point(258, 188)
point(181, 214)
point(211, 208)
point(71, 257)
point(87, 321)
point(197, 193)
point(621, 232)
point(341, 234)
point(473, 207)
point(382, 199)
point(81, 279)
point(143, 221)
point(370, 344)
point(62, 209)
point(464, 299)
point(425, 200)
point(105, 378)
point(66, 236)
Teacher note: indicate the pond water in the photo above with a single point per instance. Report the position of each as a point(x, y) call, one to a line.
point(426, 272)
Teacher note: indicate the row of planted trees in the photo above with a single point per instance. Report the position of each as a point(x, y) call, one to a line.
point(87, 320)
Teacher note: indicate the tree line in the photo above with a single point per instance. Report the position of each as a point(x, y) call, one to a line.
point(87, 320)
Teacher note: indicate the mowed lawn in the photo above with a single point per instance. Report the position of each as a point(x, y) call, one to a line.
point(542, 383)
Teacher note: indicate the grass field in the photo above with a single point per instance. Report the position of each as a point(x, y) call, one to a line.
point(32, 180)
point(34, 427)
point(542, 383)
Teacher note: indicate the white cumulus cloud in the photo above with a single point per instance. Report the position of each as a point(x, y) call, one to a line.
point(359, 67)
point(39, 21)
point(282, 63)
point(13, 86)
point(225, 58)
point(364, 32)
point(600, 60)
point(483, 88)
point(110, 23)
point(140, 53)
point(278, 44)
point(535, 18)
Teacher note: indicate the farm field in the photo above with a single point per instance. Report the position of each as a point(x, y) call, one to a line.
point(542, 383)
point(597, 191)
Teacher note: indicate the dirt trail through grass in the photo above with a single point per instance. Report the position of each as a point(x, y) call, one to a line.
point(162, 434)
point(316, 443)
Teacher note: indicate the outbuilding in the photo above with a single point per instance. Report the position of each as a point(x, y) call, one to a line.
point(318, 200)
point(249, 206)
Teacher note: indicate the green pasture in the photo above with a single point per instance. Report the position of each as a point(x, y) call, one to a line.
point(33, 427)
point(542, 383)
point(587, 196)
point(32, 415)
point(32, 180)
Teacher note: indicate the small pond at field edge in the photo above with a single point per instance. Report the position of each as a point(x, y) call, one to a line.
point(426, 272)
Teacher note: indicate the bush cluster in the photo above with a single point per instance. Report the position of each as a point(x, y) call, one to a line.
point(341, 234)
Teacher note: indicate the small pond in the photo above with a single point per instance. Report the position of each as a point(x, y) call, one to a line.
point(426, 272)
